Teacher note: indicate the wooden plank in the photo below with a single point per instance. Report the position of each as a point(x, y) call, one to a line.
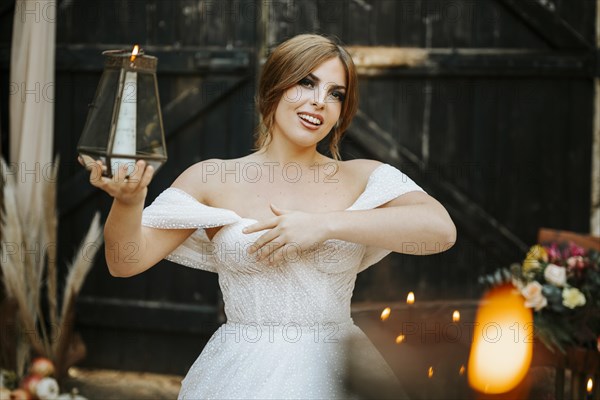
point(160, 316)
point(140, 350)
point(171, 59)
point(485, 230)
point(546, 22)
point(583, 240)
point(389, 61)
point(371, 61)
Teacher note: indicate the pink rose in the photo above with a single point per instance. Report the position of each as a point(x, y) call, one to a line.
point(553, 252)
point(533, 296)
point(576, 262)
point(575, 250)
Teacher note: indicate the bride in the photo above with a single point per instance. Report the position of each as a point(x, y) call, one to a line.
point(287, 230)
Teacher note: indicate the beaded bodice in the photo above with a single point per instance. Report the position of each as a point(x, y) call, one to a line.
point(314, 286)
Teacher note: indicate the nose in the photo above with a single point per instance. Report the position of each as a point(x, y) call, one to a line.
point(319, 97)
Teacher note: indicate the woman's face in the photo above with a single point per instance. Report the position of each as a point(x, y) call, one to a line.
point(307, 111)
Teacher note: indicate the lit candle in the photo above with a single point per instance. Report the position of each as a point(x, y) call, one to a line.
point(410, 301)
point(589, 388)
point(125, 132)
point(385, 314)
point(456, 316)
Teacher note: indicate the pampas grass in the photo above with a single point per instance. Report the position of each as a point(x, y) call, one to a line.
point(80, 267)
point(29, 255)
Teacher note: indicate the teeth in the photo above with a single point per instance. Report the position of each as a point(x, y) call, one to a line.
point(310, 119)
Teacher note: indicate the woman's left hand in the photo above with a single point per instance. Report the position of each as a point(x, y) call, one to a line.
point(290, 233)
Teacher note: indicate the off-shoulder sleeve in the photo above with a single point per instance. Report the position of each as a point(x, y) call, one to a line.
point(176, 209)
point(385, 184)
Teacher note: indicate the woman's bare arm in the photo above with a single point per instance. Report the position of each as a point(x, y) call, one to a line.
point(130, 247)
point(414, 223)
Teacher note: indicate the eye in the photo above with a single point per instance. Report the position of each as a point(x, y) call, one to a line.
point(337, 95)
point(307, 82)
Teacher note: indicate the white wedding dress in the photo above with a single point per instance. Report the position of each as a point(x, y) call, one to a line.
point(287, 325)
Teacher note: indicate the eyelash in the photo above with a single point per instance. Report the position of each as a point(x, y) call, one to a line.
point(308, 83)
point(339, 95)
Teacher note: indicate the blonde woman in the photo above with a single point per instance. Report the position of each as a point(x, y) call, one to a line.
point(286, 228)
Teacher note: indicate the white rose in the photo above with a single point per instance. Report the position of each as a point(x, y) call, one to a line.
point(47, 389)
point(533, 296)
point(572, 298)
point(555, 275)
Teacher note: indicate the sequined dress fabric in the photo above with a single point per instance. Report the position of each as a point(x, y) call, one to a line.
point(287, 325)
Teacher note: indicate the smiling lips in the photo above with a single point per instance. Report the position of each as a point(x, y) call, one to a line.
point(312, 121)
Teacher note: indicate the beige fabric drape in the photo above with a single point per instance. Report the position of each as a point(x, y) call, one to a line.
point(31, 103)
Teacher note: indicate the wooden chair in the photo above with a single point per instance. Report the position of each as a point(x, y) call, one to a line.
point(577, 365)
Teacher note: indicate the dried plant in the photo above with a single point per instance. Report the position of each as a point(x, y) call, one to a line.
point(24, 271)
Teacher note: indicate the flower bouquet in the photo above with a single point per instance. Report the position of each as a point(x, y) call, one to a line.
point(561, 283)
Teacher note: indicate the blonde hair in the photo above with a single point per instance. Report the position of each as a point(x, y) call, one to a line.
point(291, 61)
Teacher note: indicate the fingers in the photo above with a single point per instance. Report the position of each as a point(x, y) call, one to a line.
point(140, 177)
point(135, 177)
point(263, 240)
point(121, 173)
point(126, 182)
point(147, 176)
point(272, 252)
point(259, 226)
point(279, 253)
point(96, 178)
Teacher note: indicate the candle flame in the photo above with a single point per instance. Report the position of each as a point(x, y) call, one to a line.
point(502, 349)
point(461, 371)
point(134, 52)
point(385, 314)
point(410, 299)
point(590, 385)
point(456, 316)
point(430, 372)
point(400, 339)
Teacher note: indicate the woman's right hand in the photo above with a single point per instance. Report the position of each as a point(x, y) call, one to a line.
point(126, 189)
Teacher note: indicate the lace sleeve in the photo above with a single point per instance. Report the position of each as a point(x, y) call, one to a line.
point(176, 209)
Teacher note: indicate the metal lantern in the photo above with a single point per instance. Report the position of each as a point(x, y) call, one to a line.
point(124, 122)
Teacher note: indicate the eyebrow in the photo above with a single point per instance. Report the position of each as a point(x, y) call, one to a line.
point(317, 79)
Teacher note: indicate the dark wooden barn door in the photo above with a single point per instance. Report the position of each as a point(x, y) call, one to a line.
point(475, 100)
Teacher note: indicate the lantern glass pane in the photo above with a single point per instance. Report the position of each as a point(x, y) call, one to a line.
point(149, 129)
point(95, 134)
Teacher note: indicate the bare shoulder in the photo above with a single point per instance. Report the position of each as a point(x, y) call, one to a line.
point(203, 178)
point(361, 168)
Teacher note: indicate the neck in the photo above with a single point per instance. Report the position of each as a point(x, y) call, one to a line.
point(283, 154)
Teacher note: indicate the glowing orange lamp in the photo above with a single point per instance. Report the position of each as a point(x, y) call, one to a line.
point(502, 342)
